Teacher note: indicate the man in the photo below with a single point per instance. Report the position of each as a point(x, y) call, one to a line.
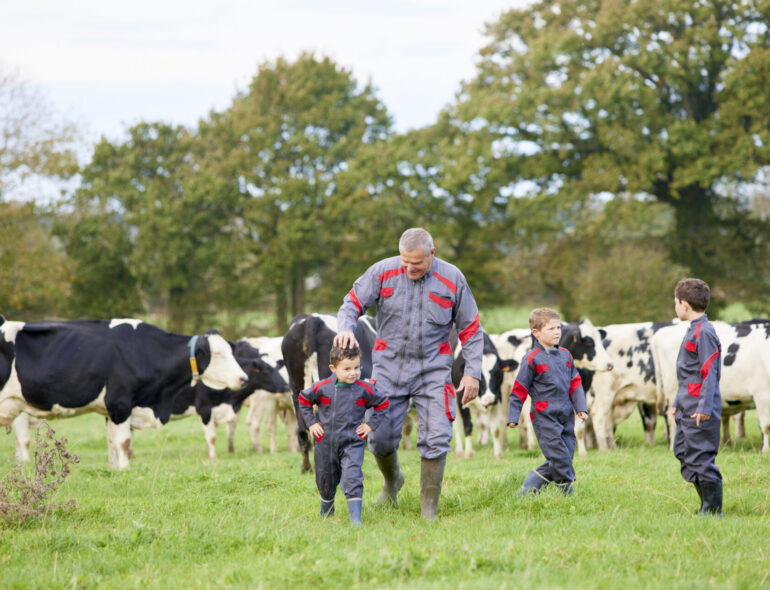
point(419, 298)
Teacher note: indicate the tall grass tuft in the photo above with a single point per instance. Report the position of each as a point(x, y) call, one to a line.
point(24, 496)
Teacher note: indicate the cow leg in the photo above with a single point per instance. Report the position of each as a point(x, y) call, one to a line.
point(601, 416)
point(210, 432)
point(726, 429)
point(118, 443)
point(406, 431)
point(526, 432)
point(762, 403)
point(304, 440)
point(496, 431)
point(580, 432)
point(465, 414)
point(650, 421)
point(459, 438)
point(254, 419)
point(272, 410)
point(231, 425)
point(20, 427)
point(290, 420)
point(740, 425)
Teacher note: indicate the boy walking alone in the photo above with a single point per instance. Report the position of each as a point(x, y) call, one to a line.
point(339, 429)
point(697, 407)
point(548, 375)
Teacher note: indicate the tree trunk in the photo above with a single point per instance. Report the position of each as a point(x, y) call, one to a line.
point(280, 310)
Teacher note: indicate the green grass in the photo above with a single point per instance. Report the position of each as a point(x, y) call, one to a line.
point(176, 519)
point(497, 320)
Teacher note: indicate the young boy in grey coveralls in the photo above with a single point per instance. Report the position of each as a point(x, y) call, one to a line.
point(339, 429)
point(548, 375)
point(697, 407)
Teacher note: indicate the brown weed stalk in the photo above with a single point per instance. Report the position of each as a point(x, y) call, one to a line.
point(24, 496)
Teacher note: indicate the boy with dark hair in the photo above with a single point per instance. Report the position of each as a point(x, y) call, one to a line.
point(697, 407)
point(339, 429)
point(548, 375)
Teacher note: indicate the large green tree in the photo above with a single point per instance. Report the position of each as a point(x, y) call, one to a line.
point(665, 98)
point(281, 145)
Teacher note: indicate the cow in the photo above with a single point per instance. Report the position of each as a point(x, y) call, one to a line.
point(584, 342)
point(487, 407)
point(305, 348)
point(631, 383)
point(220, 406)
point(62, 369)
point(745, 358)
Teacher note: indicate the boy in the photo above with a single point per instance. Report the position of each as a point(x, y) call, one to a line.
point(697, 407)
point(548, 375)
point(339, 429)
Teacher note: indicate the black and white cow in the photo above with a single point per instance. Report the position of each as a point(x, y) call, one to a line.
point(745, 381)
point(62, 369)
point(306, 346)
point(219, 406)
point(631, 383)
point(487, 408)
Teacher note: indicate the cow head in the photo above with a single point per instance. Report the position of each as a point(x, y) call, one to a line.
point(585, 343)
point(261, 374)
point(219, 369)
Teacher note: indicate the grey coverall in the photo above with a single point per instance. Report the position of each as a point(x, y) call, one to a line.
point(412, 356)
point(339, 453)
point(550, 378)
point(698, 369)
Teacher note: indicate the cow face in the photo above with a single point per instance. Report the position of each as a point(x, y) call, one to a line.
point(261, 374)
point(220, 369)
point(585, 343)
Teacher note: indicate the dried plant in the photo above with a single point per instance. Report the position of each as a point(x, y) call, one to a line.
point(24, 496)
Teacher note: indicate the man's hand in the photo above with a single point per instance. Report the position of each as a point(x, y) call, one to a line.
point(346, 339)
point(316, 431)
point(470, 388)
point(672, 411)
point(512, 424)
point(699, 418)
point(583, 416)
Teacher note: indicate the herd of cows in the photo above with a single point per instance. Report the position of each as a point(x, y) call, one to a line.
point(139, 376)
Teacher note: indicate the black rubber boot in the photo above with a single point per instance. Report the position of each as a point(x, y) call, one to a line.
point(431, 476)
point(565, 487)
point(327, 508)
point(700, 494)
point(533, 483)
point(394, 478)
point(354, 511)
point(712, 497)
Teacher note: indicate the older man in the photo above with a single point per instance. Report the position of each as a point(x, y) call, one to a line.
point(419, 298)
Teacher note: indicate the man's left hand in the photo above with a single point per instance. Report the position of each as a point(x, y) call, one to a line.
point(470, 388)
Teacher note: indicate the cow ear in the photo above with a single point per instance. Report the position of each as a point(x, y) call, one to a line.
point(602, 333)
point(279, 364)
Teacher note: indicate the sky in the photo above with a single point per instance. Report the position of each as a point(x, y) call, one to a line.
point(109, 65)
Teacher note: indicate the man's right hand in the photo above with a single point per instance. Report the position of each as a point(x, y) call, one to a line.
point(346, 339)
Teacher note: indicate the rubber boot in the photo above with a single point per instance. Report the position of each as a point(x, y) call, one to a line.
point(394, 478)
point(431, 476)
point(354, 511)
point(327, 508)
point(712, 497)
point(565, 487)
point(533, 483)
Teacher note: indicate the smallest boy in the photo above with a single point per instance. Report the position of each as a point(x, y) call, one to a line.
point(548, 375)
point(339, 429)
point(697, 407)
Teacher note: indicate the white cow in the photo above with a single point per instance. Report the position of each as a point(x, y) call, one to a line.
point(745, 380)
point(617, 393)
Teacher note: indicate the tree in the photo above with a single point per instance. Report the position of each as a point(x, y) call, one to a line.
point(33, 139)
point(661, 98)
point(281, 145)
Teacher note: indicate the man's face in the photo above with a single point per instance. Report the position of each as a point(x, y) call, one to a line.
point(347, 370)
point(416, 263)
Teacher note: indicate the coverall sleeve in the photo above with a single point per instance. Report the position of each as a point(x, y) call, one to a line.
point(576, 393)
point(365, 292)
point(469, 330)
point(520, 390)
point(708, 357)
point(380, 405)
point(306, 400)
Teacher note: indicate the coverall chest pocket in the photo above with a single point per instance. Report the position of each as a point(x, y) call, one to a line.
point(439, 309)
point(387, 301)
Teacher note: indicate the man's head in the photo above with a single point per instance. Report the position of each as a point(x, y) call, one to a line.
point(416, 250)
point(545, 324)
point(691, 295)
point(345, 363)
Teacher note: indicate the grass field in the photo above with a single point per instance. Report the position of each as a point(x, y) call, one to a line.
point(178, 520)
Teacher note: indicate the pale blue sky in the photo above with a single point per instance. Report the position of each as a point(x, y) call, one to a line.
point(109, 65)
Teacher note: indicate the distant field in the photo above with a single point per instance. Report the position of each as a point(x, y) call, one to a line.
point(177, 520)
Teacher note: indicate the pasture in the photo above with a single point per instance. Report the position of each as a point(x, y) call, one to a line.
point(176, 519)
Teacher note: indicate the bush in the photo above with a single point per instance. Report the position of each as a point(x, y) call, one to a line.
point(23, 497)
